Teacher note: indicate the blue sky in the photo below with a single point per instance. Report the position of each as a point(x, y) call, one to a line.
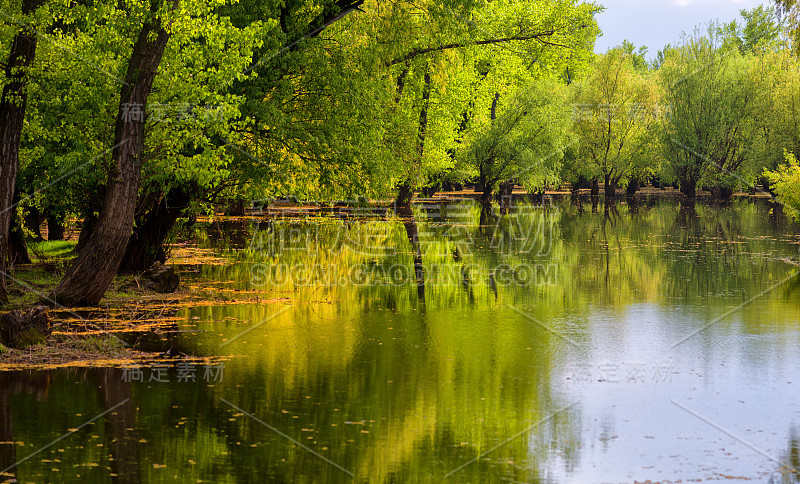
point(655, 23)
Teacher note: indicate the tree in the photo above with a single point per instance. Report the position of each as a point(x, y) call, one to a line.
point(522, 140)
point(617, 112)
point(776, 78)
point(785, 181)
point(791, 10)
point(93, 270)
point(711, 126)
point(12, 117)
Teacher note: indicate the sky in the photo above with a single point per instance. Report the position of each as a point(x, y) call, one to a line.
point(655, 23)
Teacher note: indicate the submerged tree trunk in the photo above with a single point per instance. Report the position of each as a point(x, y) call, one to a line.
point(633, 187)
point(404, 195)
point(91, 273)
point(12, 117)
point(412, 232)
point(688, 187)
point(610, 186)
point(486, 194)
point(146, 244)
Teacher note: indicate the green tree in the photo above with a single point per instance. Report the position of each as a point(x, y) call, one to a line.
point(616, 111)
point(13, 100)
point(524, 143)
point(711, 127)
point(790, 9)
point(785, 181)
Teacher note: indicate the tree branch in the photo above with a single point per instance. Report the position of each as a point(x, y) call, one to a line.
point(457, 45)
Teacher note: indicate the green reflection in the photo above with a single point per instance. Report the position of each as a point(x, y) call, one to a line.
point(402, 347)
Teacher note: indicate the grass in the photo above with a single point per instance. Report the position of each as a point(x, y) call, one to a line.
point(104, 343)
point(51, 249)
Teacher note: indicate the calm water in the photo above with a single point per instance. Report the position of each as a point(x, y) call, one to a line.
point(549, 344)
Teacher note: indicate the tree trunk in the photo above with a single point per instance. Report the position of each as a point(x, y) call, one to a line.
point(595, 188)
point(406, 190)
point(404, 195)
point(486, 195)
point(610, 187)
point(688, 187)
point(721, 193)
point(17, 248)
point(91, 273)
point(22, 329)
point(235, 208)
point(55, 227)
point(146, 245)
point(633, 187)
point(12, 117)
point(33, 222)
point(87, 229)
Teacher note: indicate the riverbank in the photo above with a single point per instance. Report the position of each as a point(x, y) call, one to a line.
point(91, 336)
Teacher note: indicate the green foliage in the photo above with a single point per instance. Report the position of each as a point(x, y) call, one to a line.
point(712, 123)
point(785, 181)
point(776, 76)
point(526, 142)
point(790, 10)
point(616, 111)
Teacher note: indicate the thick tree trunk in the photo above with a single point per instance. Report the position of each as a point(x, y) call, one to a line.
point(235, 208)
point(633, 187)
point(87, 229)
point(21, 329)
point(17, 248)
point(721, 193)
point(91, 273)
point(486, 195)
point(595, 188)
point(146, 245)
point(404, 195)
point(12, 116)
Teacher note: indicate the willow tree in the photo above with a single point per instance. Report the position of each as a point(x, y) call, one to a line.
point(711, 126)
point(92, 271)
point(523, 140)
point(791, 9)
point(466, 52)
point(616, 110)
point(776, 77)
point(785, 181)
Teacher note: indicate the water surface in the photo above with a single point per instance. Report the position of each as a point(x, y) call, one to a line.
point(548, 344)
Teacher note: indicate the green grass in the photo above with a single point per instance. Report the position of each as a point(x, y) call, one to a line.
point(105, 344)
point(51, 249)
